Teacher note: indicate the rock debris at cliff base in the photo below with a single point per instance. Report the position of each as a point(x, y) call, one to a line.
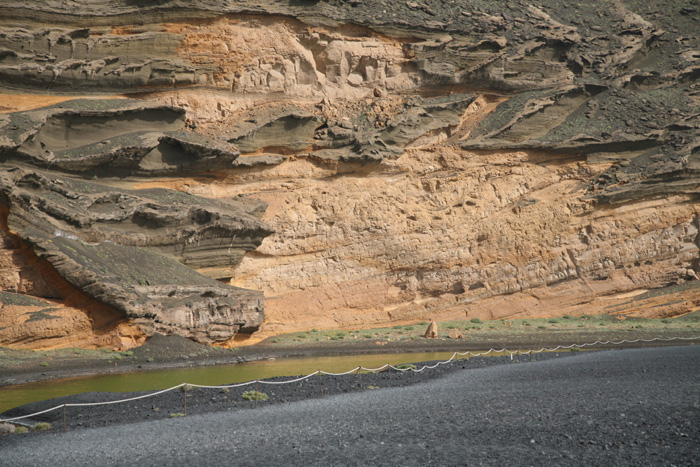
point(354, 163)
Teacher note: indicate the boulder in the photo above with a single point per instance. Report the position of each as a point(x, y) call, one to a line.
point(6, 428)
point(455, 334)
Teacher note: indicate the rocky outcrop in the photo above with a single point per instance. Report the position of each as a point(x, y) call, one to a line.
point(117, 137)
point(418, 160)
point(134, 251)
point(130, 250)
point(184, 227)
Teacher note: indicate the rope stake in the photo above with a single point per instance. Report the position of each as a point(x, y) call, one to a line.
point(185, 400)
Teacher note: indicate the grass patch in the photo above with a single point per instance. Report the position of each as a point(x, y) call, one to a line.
point(177, 415)
point(41, 426)
point(254, 396)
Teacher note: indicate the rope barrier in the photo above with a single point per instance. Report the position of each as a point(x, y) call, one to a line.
point(356, 370)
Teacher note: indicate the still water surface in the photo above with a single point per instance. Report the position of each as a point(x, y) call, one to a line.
point(14, 396)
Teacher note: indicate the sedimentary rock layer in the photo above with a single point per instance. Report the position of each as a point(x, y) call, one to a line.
point(419, 160)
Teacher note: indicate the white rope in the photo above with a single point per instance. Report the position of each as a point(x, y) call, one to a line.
point(151, 394)
point(225, 386)
point(301, 378)
point(31, 415)
point(340, 374)
point(356, 369)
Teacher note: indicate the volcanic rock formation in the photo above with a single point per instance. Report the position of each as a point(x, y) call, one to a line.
point(356, 162)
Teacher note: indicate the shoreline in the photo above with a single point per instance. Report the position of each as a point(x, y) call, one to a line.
point(174, 352)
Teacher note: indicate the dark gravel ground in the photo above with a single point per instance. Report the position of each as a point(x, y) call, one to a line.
point(625, 407)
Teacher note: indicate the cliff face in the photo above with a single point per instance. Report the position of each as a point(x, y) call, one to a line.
point(371, 162)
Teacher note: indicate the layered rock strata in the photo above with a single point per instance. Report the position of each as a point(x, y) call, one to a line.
point(134, 253)
point(419, 160)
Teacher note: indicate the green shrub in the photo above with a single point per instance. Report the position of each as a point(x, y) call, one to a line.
point(451, 326)
point(149, 359)
point(176, 415)
point(541, 327)
point(372, 387)
point(128, 353)
point(553, 321)
point(254, 396)
point(423, 323)
point(476, 321)
point(44, 364)
point(408, 328)
point(566, 317)
point(398, 326)
point(224, 390)
point(41, 426)
point(19, 429)
point(367, 336)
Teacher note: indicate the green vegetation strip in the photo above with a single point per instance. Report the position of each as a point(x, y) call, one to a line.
point(511, 328)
